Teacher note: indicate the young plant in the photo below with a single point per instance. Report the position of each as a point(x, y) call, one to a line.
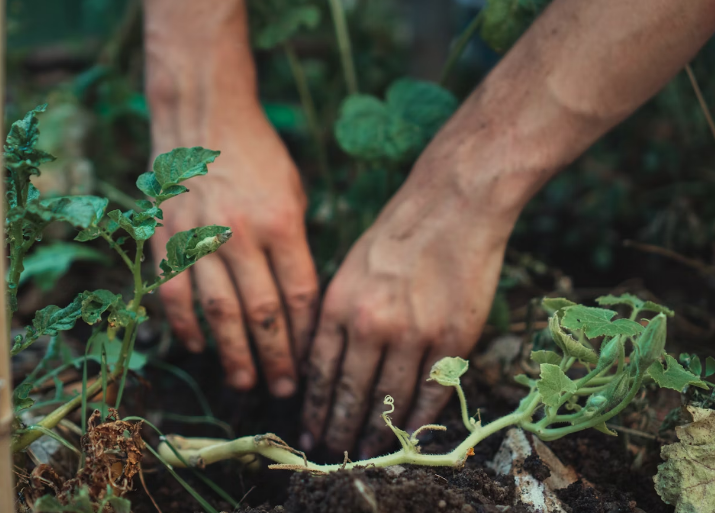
point(556, 404)
point(115, 320)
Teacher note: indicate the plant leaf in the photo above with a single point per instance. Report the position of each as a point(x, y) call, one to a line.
point(674, 376)
point(79, 211)
point(448, 370)
point(553, 384)
point(504, 21)
point(185, 248)
point(686, 479)
point(570, 346)
point(546, 357)
point(20, 397)
point(421, 103)
point(94, 304)
point(181, 164)
point(596, 322)
point(50, 321)
point(525, 380)
point(556, 305)
point(20, 153)
point(284, 24)
point(651, 343)
point(709, 367)
point(138, 226)
point(49, 263)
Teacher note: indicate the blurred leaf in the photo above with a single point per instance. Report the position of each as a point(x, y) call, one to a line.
point(20, 397)
point(113, 349)
point(49, 263)
point(504, 21)
point(285, 23)
point(79, 211)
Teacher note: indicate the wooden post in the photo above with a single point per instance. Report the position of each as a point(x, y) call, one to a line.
point(7, 491)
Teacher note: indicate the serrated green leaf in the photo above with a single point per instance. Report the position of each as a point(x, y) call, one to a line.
point(596, 322)
point(20, 154)
point(421, 103)
point(181, 164)
point(285, 23)
point(553, 384)
point(185, 248)
point(685, 480)
point(650, 306)
point(79, 211)
point(49, 263)
point(138, 226)
point(709, 367)
point(674, 376)
point(570, 346)
point(20, 397)
point(50, 321)
point(95, 303)
point(448, 370)
point(546, 357)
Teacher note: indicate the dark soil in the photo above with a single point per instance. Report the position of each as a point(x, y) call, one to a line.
point(537, 468)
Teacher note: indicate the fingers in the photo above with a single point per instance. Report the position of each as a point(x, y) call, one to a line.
point(398, 379)
point(266, 320)
point(298, 281)
point(223, 312)
point(176, 294)
point(325, 357)
point(431, 396)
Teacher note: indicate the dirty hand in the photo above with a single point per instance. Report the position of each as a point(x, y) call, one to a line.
point(416, 287)
point(201, 88)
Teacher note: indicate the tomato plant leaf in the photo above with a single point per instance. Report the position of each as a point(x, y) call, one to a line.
point(181, 164)
point(184, 248)
point(21, 397)
point(568, 345)
point(686, 479)
point(553, 384)
point(138, 226)
point(50, 321)
point(79, 211)
point(448, 370)
point(674, 375)
point(597, 322)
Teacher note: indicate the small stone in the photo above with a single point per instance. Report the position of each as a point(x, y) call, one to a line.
point(394, 470)
point(466, 508)
point(441, 504)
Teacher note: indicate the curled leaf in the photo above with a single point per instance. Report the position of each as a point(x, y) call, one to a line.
point(448, 370)
point(570, 346)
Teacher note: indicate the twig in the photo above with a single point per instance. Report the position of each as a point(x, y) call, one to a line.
point(701, 99)
point(633, 432)
point(702, 267)
point(459, 47)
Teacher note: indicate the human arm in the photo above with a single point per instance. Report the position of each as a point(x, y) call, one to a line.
point(201, 88)
point(418, 285)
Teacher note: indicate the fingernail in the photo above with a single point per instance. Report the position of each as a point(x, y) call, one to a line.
point(283, 387)
point(241, 379)
point(306, 442)
point(194, 345)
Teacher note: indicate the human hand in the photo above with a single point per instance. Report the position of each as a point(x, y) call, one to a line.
point(416, 287)
point(263, 281)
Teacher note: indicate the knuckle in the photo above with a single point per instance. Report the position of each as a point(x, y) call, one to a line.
point(264, 314)
point(368, 323)
point(281, 222)
point(302, 299)
point(221, 309)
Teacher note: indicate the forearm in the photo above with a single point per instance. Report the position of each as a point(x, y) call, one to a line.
point(582, 67)
point(199, 66)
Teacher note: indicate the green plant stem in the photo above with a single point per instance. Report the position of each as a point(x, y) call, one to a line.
point(206, 451)
point(51, 420)
point(459, 47)
point(465, 412)
point(343, 37)
point(112, 244)
point(306, 100)
point(701, 99)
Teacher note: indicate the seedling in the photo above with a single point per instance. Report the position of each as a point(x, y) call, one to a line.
point(557, 404)
point(115, 320)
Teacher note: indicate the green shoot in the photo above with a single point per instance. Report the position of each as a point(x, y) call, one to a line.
point(557, 404)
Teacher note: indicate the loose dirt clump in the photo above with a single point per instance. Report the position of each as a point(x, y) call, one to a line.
point(585, 499)
point(537, 468)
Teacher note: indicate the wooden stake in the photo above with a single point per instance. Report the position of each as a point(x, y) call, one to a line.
point(7, 494)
